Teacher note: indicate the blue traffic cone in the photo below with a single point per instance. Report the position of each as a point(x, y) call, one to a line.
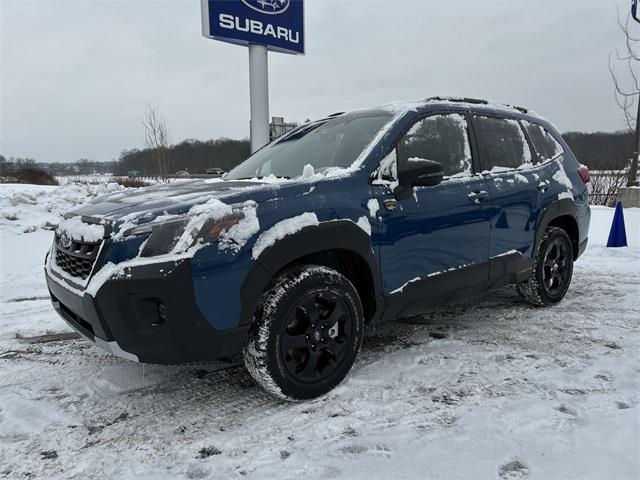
point(618, 234)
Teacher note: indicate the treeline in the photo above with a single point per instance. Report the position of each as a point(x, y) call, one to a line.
point(602, 151)
point(79, 167)
point(192, 156)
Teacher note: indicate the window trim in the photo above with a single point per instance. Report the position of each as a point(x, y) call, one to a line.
point(535, 158)
point(466, 114)
point(534, 154)
point(546, 130)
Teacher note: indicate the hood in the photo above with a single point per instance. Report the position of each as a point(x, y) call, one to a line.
point(175, 198)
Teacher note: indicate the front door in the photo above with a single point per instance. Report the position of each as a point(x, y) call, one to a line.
point(440, 229)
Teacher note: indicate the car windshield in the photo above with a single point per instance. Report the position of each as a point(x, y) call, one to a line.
point(334, 142)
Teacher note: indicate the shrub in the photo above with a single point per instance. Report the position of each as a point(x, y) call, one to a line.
point(132, 183)
point(29, 173)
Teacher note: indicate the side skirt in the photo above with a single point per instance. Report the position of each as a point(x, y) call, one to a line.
point(465, 282)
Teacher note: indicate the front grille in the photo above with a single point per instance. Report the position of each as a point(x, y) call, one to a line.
point(78, 259)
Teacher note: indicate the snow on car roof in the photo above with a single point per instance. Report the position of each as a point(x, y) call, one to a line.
point(401, 107)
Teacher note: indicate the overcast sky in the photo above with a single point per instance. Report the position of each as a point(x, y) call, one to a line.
point(76, 75)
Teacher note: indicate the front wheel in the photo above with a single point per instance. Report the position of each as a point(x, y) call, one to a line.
point(306, 334)
point(553, 269)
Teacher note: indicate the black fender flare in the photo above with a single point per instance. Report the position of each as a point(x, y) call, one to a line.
point(332, 235)
point(557, 209)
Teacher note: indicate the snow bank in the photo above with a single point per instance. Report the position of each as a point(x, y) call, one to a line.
point(26, 208)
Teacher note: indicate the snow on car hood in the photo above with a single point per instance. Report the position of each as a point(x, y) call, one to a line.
point(173, 198)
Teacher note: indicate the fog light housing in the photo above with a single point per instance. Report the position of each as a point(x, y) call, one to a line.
point(162, 315)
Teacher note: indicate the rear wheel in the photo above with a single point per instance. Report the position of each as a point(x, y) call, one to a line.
point(553, 269)
point(307, 333)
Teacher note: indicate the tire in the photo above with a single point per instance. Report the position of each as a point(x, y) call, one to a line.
point(307, 332)
point(553, 270)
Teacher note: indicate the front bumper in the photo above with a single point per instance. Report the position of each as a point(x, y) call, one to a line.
point(149, 315)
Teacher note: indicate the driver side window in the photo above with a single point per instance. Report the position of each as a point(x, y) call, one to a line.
point(442, 138)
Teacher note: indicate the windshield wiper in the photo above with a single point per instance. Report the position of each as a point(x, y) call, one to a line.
point(263, 176)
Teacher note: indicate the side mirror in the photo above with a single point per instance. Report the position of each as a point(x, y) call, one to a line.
point(417, 172)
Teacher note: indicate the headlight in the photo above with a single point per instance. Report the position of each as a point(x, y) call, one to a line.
point(181, 233)
point(212, 229)
point(163, 236)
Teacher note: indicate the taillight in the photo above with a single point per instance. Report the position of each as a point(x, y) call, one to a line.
point(584, 174)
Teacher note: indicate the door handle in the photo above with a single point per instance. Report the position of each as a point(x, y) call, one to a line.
point(544, 186)
point(478, 197)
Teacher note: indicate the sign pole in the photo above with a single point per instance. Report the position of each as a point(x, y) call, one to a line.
point(259, 95)
point(263, 26)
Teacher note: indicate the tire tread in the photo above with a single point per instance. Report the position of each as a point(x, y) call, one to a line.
point(256, 349)
point(531, 290)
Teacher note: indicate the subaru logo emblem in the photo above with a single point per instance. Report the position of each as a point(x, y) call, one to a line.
point(65, 240)
point(270, 7)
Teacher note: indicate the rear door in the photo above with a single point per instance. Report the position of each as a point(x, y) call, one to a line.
point(438, 229)
point(506, 158)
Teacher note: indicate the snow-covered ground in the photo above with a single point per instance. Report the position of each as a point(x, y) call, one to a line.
point(491, 388)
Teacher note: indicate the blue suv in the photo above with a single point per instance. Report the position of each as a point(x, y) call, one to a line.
point(344, 222)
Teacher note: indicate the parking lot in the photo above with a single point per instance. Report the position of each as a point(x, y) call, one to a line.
point(490, 388)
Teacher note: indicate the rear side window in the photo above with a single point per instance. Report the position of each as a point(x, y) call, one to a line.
point(501, 142)
point(546, 146)
point(442, 138)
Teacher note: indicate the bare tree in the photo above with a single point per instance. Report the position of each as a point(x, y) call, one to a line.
point(157, 138)
point(627, 88)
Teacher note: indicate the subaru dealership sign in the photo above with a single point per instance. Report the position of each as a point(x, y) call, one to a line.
point(277, 24)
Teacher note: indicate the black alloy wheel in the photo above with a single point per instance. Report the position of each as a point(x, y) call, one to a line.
point(316, 335)
point(556, 269)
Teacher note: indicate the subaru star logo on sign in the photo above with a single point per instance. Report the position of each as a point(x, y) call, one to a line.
point(271, 7)
point(278, 24)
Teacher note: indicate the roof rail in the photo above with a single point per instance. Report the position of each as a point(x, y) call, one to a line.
point(336, 114)
point(475, 101)
point(457, 99)
point(520, 109)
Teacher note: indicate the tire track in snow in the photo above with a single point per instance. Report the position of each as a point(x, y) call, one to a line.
point(191, 403)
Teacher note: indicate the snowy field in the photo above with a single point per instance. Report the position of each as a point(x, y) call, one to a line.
point(491, 388)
